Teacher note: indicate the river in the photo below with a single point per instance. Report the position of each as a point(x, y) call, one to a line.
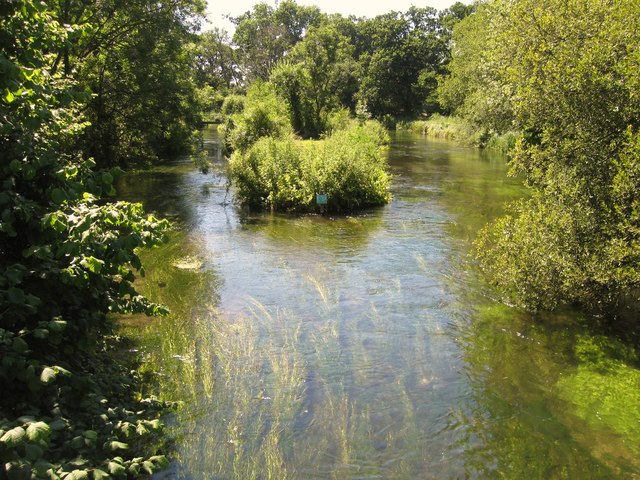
point(369, 346)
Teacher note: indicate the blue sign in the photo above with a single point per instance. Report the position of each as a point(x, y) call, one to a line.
point(321, 199)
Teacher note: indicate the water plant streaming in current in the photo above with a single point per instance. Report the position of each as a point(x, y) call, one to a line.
point(368, 346)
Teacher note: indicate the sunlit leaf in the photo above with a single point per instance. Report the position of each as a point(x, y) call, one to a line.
point(13, 437)
point(48, 375)
point(38, 431)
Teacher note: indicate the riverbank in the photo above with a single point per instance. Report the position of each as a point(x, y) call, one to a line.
point(458, 130)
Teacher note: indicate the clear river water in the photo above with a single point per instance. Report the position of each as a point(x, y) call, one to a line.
point(369, 346)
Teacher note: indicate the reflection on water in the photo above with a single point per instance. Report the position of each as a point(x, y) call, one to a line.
point(366, 346)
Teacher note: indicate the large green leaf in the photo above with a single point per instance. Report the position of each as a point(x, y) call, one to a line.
point(13, 437)
point(78, 475)
point(38, 431)
point(94, 265)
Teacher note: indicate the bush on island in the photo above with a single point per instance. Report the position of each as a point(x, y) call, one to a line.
point(285, 174)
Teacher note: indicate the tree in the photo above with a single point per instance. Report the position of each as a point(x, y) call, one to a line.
point(264, 35)
point(67, 260)
point(400, 55)
point(136, 58)
point(472, 87)
point(216, 61)
point(318, 76)
point(450, 17)
point(572, 67)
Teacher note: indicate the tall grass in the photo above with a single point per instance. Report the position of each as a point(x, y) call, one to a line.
point(459, 130)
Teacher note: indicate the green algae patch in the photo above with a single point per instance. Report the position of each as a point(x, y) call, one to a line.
point(605, 389)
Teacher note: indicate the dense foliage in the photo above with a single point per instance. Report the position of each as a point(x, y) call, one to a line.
point(136, 60)
point(260, 114)
point(387, 65)
point(472, 88)
point(67, 260)
point(305, 73)
point(317, 77)
point(285, 174)
point(265, 34)
point(570, 72)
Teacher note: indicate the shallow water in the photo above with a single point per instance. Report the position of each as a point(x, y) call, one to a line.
point(368, 346)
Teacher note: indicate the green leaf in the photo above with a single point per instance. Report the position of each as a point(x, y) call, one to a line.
point(19, 345)
point(48, 375)
point(15, 295)
point(100, 475)
point(116, 469)
point(40, 333)
point(38, 431)
point(94, 265)
point(57, 425)
point(134, 469)
point(15, 274)
point(8, 96)
point(161, 461)
point(41, 467)
point(57, 326)
point(32, 300)
point(90, 434)
point(148, 467)
point(107, 178)
point(58, 196)
point(62, 371)
point(155, 424)
point(114, 445)
point(77, 442)
point(58, 222)
point(13, 437)
point(78, 475)
point(33, 452)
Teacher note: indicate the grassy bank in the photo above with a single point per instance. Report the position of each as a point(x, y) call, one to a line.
point(457, 129)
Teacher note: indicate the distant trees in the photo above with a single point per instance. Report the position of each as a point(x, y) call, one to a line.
point(472, 87)
point(264, 35)
point(400, 56)
point(388, 65)
point(216, 61)
point(317, 77)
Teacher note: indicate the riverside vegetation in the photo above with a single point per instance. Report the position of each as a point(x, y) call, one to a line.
point(88, 86)
point(271, 168)
point(71, 406)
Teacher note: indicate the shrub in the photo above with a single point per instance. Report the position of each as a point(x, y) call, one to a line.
point(286, 174)
point(263, 115)
point(232, 104)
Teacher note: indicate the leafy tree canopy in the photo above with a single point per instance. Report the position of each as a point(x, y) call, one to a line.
point(570, 68)
point(265, 34)
point(67, 259)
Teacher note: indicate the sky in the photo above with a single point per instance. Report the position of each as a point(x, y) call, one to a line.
point(216, 9)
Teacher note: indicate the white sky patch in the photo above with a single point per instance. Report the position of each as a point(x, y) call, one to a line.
point(217, 9)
